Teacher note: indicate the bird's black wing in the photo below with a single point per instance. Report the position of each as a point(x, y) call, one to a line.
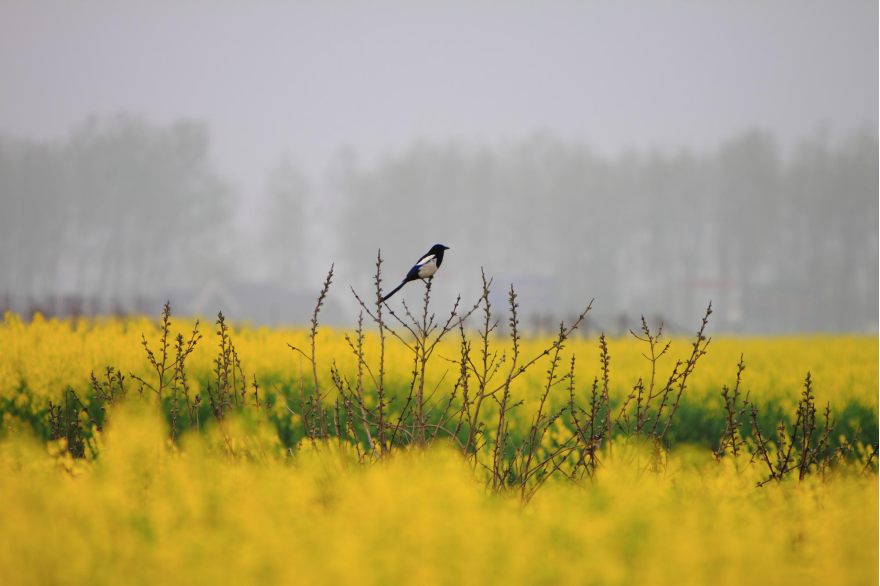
point(413, 273)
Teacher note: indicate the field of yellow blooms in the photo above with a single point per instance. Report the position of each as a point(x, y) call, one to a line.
point(43, 358)
point(143, 510)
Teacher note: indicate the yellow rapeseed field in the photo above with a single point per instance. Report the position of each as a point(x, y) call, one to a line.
point(140, 515)
point(146, 510)
point(46, 356)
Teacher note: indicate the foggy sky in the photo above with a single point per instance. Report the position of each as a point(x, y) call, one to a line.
point(302, 81)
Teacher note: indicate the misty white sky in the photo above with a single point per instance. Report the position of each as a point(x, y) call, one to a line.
point(276, 79)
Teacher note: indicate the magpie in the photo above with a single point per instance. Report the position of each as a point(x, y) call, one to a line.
point(423, 269)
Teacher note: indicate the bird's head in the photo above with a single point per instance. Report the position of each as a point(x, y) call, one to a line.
point(438, 249)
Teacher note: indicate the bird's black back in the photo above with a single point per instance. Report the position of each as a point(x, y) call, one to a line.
point(437, 250)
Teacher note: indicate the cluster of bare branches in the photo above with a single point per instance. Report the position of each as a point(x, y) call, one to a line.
point(570, 434)
point(228, 393)
point(66, 424)
point(169, 364)
point(460, 415)
point(803, 450)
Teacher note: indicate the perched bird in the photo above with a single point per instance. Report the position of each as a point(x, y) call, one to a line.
point(424, 268)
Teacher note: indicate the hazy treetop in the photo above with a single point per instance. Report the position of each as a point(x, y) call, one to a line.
point(273, 79)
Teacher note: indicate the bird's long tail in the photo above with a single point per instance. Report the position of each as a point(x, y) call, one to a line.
point(396, 289)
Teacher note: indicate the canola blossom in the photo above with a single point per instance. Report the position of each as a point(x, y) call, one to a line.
point(141, 507)
point(42, 358)
point(142, 515)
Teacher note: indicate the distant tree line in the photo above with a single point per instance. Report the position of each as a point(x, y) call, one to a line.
point(779, 240)
point(119, 210)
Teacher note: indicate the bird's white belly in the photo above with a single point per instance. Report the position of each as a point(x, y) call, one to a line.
point(428, 269)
